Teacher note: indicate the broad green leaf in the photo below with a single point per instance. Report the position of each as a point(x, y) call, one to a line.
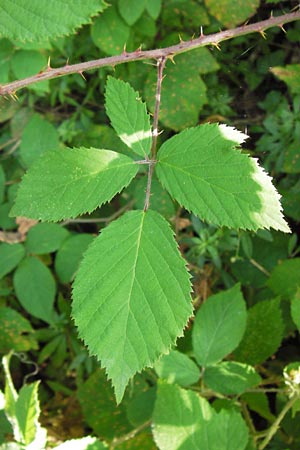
point(203, 169)
point(45, 238)
point(27, 412)
point(183, 96)
point(38, 136)
point(177, 368)
point(21, 68)
point(290, 74)
point(99, 408)
point(153, 8)
point(69, 182)
point(291, 158)
point(16, 332)
point(219, 326)
point(232, 13)
point(86, 443)
point(2, 184)
point(143, 440)
point(69, 256)
point(133, 298)
point(128, 116)
point(10, 256)
point(131, 10)
point(140, 407)
point(295, 308)
point(109, 32)
point(41, 19)
point(184, 420)
point(284, 279)
point(35, 288)
point(230, 377)
point(11, 397)
point(263, 334)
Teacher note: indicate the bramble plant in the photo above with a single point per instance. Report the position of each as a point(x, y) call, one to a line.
point(132, 292)
point(136, 299)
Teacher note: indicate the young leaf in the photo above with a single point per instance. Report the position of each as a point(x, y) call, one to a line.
point(128, 116)
point(131, 10)
point(153, 7)
point(27, 412)
point(41, 19)
point(183, 420)
point(45, 238)
point(205, 172)
point(67, 183)
point(10, 256)
point(35, 288)
point(68, 257)
point(177, 368)
point(132, 300)
point(219, 326)
point(38, 136)
point(229, 377)
point(109, 31)
point(263, 334)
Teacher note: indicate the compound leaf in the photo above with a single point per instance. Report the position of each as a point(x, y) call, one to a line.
point(203, 169)
point(128, 116)
point(184, 420)
point(130, 304)
point(219, 326)
point(67, 183)
point(41, 19)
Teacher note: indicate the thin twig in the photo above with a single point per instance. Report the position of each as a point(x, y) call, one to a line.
point(160, 68)
point(139, 55)
point(275, 425)
point(101, 219)
point(117, 441)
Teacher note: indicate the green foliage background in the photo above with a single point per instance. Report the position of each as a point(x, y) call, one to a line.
point(230, 371)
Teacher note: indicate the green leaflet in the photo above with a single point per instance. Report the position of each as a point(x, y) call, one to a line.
point(131, 300)
point(205, 172)
point(128, 116)
point(264, 333)
point(38, 136)
point(131, 10)
point(153, 7)
point(10, 256)
point(35, 288)
point(23, 411)
point(290, 74)
point(230, 377)
point(232, 13)
point(40, 19)
point(69, 182)
point(219, 326)
point(177, 368)
point(184, 420)
point(109, 32)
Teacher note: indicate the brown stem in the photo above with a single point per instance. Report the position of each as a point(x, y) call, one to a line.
point(160, 68)
point(138, 55)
